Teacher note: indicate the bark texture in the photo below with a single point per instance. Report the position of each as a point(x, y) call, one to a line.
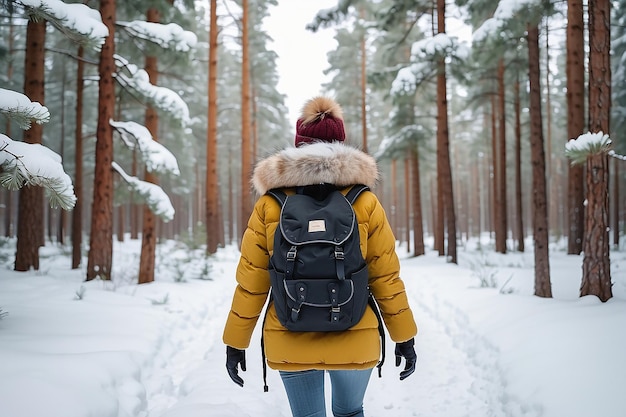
point(100, 257)
point(543, 286)
point(30, 230)
point(575, 71)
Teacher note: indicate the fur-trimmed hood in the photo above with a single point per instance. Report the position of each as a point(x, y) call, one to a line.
point(322, 162)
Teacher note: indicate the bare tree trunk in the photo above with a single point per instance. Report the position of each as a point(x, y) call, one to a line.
point(596, 263)
point(418, 224)
point(120, 222)
point(232, 231)
point(443, 145)
point(543, 286)
point(60, 230)
point(407, 202)
point(495, 196)
point(363, 86)
point(100, 257)
point(575, 69)
point(149, 233)
point(475, 202)
point(212, 188)
point(246, 149)
point(393, 213)
point(8, 203)
point(615, 197)
point(30, 224)
point(135, 215)
point(77, 214)
point(501, 229)
point(519, 218)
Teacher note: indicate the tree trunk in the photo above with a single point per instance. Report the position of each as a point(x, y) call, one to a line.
point(418, 228)
point(77, 213)
point(519, 217)
point(443, 145)
point(363, 85)
point(575, 71)
point(8, 202)
point(407, 202)
point(100, 257)
point(596, 263)
point(231, 217)
point(615, 197)
point(30, 223)
point(543, 286)
point(60, 232)
point(149, 233)
point(495, 196)
point(246, 163)
point(212, 189)
point(393, 213)
point(120, 222)
point(135, 215)
point(502, 194)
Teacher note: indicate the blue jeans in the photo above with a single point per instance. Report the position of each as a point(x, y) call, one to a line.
point(305, 390)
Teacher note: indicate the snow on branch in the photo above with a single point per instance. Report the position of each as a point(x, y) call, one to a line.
point(136, 80)
point(156, 156)
point(18, 107)
point(506, 10)
point(77, 21)
point(586, 145)
point(439, 45)
point(399, 142)
point(24, 163)
point(168, 36)
point(409, 78)
point(423, 53)
point(158, 202)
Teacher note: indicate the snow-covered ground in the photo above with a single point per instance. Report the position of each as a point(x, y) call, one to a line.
point(70, 348)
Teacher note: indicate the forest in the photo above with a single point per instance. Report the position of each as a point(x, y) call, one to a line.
point(144, 120)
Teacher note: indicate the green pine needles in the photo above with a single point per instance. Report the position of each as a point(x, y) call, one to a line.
point(588, 144)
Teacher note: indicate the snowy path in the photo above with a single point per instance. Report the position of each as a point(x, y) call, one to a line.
point(455, 374)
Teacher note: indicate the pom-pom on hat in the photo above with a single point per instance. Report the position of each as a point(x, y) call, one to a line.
point(321, 121)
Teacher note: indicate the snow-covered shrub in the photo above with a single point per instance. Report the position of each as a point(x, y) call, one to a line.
point(486, 274)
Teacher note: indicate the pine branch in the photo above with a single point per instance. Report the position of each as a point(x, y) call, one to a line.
point(586, 145)
point(24, 115)
point(14, 174)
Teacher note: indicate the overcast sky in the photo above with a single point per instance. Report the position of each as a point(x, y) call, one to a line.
point(302, 54)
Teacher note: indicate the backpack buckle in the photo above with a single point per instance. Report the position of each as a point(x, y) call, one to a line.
point(300, 299)
point(339, 267)
point(291, 254)
point(294, 314)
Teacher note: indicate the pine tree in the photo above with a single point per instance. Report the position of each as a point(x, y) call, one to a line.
point(575, 122)
point(100, 256)
point(596, 262)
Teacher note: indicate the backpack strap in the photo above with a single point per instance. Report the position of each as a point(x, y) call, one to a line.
point(266, 388)
point(279, 195)
point(381, 332)
point(355, 192)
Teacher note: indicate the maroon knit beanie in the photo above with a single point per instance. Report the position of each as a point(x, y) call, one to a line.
point(321, 121)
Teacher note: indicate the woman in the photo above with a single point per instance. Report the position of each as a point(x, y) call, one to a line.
point(320, 156)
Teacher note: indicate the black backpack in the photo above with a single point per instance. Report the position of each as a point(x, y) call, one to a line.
point(318, 275)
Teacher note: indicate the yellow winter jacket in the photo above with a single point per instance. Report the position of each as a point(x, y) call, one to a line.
point(359, 346)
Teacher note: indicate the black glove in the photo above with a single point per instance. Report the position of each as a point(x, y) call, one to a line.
point(235, 357)
point(407, 351)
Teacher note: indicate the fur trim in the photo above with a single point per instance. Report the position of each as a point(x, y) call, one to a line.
point(321, 162)
point(319, 107)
